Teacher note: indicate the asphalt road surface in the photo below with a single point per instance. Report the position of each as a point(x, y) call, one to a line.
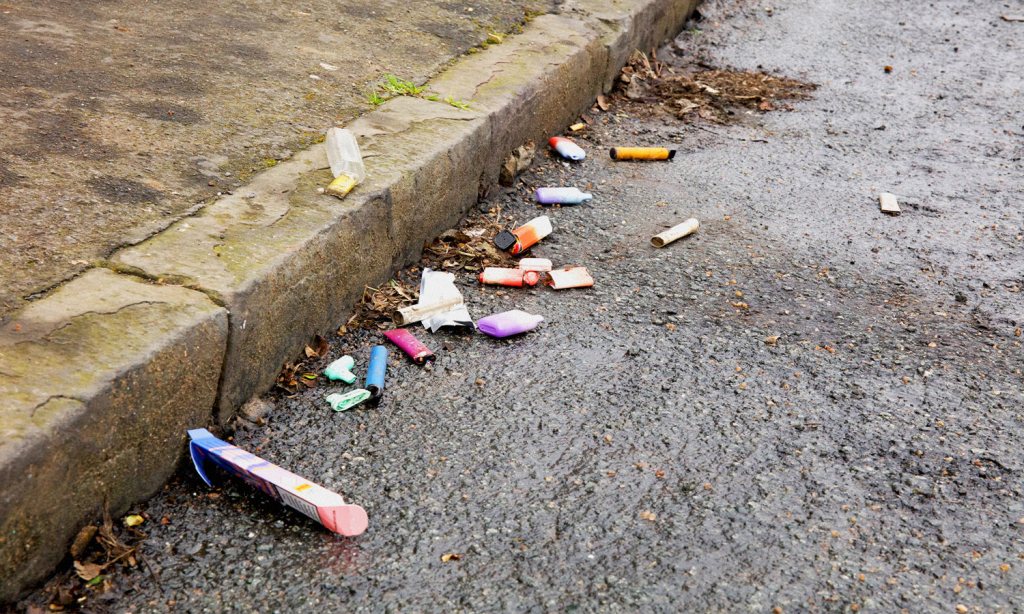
point(652, 446)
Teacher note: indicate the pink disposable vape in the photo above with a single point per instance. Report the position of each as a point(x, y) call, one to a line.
point(566, 148)
point(508, 323)
point(410, 345)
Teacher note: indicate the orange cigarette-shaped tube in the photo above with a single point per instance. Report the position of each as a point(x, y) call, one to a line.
point(515, 278)
point(642, 153)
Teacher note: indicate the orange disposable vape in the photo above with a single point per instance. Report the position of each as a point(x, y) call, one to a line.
point(515, 278)
point(642, 153)
point(524, 237)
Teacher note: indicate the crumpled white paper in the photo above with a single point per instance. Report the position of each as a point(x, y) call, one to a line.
point(438, 286)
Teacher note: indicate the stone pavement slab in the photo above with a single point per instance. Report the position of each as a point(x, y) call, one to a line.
point(121, 117)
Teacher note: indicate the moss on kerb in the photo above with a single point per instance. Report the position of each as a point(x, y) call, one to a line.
point(76, 342)
point(514, 65)
point(403, 151)
point(75, 360)
point(244, 250)
point(20, 427)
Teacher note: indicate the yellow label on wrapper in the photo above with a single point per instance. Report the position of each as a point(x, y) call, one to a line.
point(341, 186)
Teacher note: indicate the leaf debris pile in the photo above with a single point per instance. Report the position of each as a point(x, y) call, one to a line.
point(377, 305)
point(96, 551)
point(470, 247)
point(295, 374)
point(708, 94)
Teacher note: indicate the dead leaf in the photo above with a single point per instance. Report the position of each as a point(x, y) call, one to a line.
point(469, 247)
point(133, 520)
point(398, 288)
point(286, 379)
point(319, 349)
point(82, 540)
point(64, 597)
point(771, 339)
point(602, 103)
point(706, 114)
point(87, 571)
point(685, 106)
point(451, 556)
point(635, 91)
point(111, 544)
point(648, 515)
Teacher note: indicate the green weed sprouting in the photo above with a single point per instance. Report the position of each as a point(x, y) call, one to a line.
point(400, 87)
point(393, 86)
point(458, 104)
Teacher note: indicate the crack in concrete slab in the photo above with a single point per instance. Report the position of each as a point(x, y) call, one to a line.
point(494, 74)
point(35, 408)
point(72, 319)
point(175, 280)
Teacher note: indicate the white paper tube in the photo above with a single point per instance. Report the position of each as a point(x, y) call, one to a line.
point(417, 313)
point(679, 231)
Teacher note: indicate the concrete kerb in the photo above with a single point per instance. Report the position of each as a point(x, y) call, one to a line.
point(99, 382)
point(286, 262)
